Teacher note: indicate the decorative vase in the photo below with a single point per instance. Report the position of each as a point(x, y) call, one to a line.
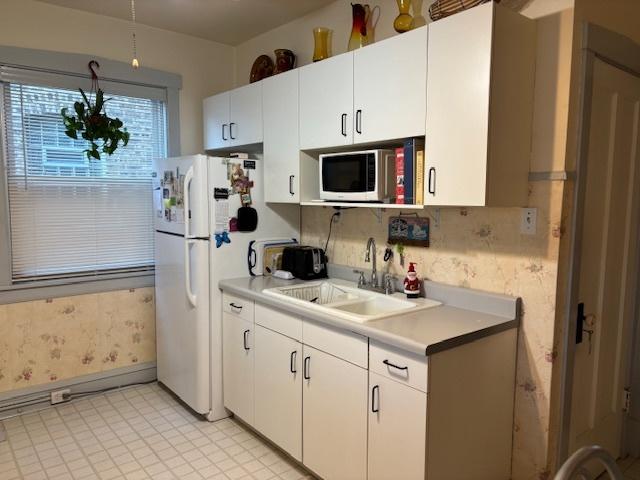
point(418, 19)
point(285, 60)
point(372, 16)
point(358, 37)
point(402, 23)
point(322, 39)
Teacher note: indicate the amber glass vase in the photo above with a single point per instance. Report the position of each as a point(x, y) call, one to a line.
point(358, 37)
point(322, 43)
point(402, 23)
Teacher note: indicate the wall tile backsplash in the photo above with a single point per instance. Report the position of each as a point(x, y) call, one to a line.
point(43, 341)
point(480, 248)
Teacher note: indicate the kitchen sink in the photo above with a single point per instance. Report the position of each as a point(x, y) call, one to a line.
point(343, 299)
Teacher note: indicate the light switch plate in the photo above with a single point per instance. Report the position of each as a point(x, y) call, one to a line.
point(528, 221)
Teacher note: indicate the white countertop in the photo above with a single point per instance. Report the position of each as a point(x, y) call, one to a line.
point(422, 332)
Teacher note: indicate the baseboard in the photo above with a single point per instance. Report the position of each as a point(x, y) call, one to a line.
point(37, 396)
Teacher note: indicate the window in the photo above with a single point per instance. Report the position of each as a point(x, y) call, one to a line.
point(70, 216)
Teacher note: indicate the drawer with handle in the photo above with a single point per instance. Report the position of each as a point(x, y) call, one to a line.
point(403, 367)
point(279, 321)
point(239, 306)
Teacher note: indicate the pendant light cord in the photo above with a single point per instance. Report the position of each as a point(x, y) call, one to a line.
point(134, 62)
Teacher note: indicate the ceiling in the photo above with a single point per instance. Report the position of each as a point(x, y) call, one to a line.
point(226, 21)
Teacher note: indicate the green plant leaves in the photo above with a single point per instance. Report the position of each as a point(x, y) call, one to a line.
point(94, 125)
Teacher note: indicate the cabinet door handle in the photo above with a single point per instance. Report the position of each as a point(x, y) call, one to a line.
point(224, 137)
point(236, 307)
point(292, 362)
point(305, 368)
point(432, 181)
point(375, 392)
point(359, 121)
point(231, 131)
point(246, 339)
point(291, 177)
point(344, 124)
point(389, 364)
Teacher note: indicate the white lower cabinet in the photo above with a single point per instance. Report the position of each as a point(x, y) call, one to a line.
point(334, 397)
point(361, 411)
point(238, 366)
point(278, 390)
point(397, 430)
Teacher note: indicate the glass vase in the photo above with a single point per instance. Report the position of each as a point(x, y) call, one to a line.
point(322, 46)
point(358, 37)
point(372, 16)
point(402, 23)
point(418, 19)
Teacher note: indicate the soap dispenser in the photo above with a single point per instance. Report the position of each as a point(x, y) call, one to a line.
point(412, 282)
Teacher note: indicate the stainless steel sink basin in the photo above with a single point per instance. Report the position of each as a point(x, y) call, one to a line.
point(343, 299)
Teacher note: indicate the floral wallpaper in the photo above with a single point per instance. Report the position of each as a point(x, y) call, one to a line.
point(480, 248)
point(43, 341)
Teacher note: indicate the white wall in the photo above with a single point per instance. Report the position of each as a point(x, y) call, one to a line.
point(206, 67)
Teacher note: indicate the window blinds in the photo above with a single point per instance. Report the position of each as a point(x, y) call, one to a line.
point(70, 216)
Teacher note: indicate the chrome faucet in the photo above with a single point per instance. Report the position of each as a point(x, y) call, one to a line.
point(371, 245)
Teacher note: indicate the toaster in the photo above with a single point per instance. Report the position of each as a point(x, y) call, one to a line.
point(304, 262)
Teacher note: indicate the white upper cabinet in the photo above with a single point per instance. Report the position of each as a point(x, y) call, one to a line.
point(234, 118)
point(479, 108)
point(245, 115)
point(281, 138)
point(216, 121)
point(389, 88)
point(326, 103)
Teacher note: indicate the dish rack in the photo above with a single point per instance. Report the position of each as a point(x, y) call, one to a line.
point(320, 293)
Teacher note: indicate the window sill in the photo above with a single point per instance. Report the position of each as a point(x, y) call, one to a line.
point(39, 290)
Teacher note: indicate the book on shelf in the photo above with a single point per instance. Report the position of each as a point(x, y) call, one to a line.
point(420, 177)
point(411, 148)
point(400, 175)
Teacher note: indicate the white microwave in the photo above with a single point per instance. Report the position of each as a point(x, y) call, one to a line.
point(364, 176)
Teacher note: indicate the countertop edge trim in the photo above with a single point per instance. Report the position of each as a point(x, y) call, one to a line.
point(471, 337)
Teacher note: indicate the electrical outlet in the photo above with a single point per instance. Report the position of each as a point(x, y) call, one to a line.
point(60, 396)
point(528, 221)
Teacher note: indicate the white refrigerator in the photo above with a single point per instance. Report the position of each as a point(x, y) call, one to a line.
point(189, 265)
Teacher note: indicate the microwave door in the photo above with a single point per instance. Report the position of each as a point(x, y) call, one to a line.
point(344, 177)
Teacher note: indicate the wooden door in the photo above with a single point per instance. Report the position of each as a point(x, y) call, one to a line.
point(390, 87)
point(326, 103)
point(245, 115)
point(281, 139)
point(397, 430)
point(278, 390)
point(607, 281)
point(237, 364)
point(334, 417)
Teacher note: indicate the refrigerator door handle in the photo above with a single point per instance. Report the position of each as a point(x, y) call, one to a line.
point(187, 272)
point(185, 191)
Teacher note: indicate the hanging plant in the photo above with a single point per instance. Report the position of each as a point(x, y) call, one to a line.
point(92, 123)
